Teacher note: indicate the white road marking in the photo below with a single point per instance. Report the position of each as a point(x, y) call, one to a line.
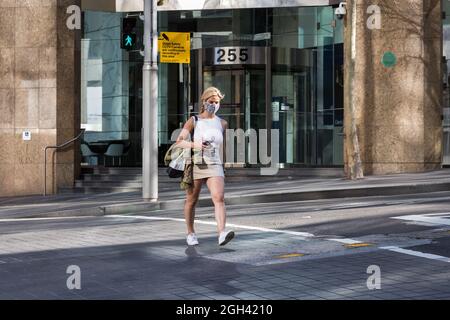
point(294, 233)
point(205, 215)
point(417, 254)
point(345, 241)
point(49, 218)
point(435, 218)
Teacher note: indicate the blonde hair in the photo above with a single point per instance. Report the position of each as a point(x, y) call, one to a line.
point(208, 93)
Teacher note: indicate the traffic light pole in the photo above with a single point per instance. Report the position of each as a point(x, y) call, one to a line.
point(150, 104)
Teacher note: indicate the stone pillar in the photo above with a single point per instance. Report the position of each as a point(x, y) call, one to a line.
point(398, 107)
point(39, 92)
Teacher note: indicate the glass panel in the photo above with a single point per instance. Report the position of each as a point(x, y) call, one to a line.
point(306, 94)
point(104, 80)
point(134, 156)
point(231, 84)
point(255, 103)
point(111, 89)
point(283, 107)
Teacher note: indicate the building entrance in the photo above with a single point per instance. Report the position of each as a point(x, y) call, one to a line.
point(285, 93)
point(244, 104)
point(280, 68)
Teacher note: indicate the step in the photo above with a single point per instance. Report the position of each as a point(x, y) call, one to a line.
point(113, 171)
point(89, 190)
point(294, 172)
point(109, 184)
point(111, 177)
point(165, 178)
point(244, 172)
point(124, 181)
point(118, 177)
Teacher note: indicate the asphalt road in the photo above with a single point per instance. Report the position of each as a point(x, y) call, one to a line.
point(324, 249)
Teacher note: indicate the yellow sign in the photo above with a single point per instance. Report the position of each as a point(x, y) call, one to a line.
point(174, 47)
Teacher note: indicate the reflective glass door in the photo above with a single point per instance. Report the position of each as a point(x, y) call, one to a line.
point(244, 104)
point(231, 83)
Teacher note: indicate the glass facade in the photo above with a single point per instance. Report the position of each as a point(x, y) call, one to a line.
point(292, 79)
point(111, 88)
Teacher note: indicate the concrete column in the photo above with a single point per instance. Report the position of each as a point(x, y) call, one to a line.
point(39, 91)
point(398, 108)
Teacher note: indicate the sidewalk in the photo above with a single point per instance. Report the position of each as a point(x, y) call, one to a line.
point(247, 191)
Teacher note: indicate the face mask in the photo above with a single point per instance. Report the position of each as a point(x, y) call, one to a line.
point(212, 107)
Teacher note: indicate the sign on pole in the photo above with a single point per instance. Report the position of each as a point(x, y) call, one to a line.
point(174, 47)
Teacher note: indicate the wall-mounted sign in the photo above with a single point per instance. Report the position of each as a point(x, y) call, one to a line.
point(231, 55)
point(174, 47)
point(26, 136)
point(389, 59)
point(239, 55)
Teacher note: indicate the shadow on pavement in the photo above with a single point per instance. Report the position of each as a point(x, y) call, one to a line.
point(214, 268)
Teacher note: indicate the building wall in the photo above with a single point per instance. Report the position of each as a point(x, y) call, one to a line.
point(397, 110)
point(39, 91)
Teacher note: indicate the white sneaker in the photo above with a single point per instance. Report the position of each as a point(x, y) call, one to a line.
point(225, 237)
point(192, 240)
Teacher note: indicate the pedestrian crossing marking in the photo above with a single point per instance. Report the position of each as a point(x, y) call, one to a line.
point(290, 255)
point(434, 219)
point(417, 254)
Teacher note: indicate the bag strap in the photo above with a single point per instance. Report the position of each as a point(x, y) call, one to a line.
point(193, 133)
point(193, 127)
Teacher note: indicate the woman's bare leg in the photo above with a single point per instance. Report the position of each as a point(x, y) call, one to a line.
point(216, 186)
point(189, 206)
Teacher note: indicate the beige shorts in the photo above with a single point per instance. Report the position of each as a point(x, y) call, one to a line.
point(208, 171)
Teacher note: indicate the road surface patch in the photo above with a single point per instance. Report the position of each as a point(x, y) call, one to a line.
point(358, 245)
point(290, 255)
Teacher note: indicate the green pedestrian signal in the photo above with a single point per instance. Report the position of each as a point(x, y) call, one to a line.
point(128, 41)
point(128, 34)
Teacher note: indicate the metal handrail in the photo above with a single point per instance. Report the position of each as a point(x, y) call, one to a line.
point(56, 147)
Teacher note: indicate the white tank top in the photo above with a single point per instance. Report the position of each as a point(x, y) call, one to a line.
point(208, 130)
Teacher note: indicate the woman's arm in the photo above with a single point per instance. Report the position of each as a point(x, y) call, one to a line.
point(183, 138)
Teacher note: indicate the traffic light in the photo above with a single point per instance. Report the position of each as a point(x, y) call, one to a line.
point(128, 35)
